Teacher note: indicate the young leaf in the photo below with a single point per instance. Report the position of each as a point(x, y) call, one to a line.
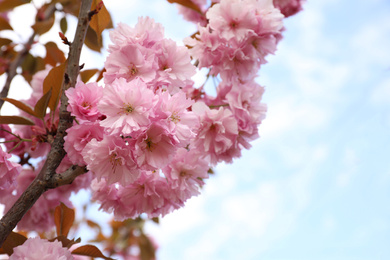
point(24, 107)
point(90, 250)
point(4, 25)
point(53, 54)
point(63, 25)
point(53, 81)
point(4, 41)
point(6, 5)
point(16, 120)
point(12, 241)
point(66, 242)
point(99, 21)
point(63, 218)
point(87, 74)
point(41, 27)
point(91, 40)
point(188, 4)
point(41, 106)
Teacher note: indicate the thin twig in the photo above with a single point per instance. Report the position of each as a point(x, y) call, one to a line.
point(11, 72)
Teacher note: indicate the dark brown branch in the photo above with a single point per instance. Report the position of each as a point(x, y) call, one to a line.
point(66, 177)
point(44, 179)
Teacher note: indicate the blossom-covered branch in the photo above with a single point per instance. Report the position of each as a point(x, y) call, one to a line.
point(57, 153)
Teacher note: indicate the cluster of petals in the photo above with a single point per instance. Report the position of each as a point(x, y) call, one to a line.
point(8, 170)
point(237, 38)
point(142, 52)
point(41, 249)
point(152, 193)
point(138, 124)
point(148, 137)
point(289, 7)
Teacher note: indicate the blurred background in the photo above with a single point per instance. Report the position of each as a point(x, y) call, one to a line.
point(316, 185)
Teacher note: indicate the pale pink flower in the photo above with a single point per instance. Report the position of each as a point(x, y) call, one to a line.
point(132, 200)
point(8, 170)
point(83, 100)
point(186, 171)
point(146, 33)
point(174, 63)
point(127, 105)
point(130, 62)
point(155, 147)
point(78, 136)
point(231, 19)
point(181, 122)
point(41, 249)
point(143, 195)
point(111, 159)
point(289, 7)
point(217, 132)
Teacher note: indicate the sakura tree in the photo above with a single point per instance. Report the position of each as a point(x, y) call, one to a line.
point(137, 131)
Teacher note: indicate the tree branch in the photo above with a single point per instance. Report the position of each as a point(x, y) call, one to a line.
point(67, 177)
point(57, 153)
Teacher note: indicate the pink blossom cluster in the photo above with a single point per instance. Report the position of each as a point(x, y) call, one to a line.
point(41, 249)
point(148, 136)
point(289, 7)
point(135, 134)
point(238, 37)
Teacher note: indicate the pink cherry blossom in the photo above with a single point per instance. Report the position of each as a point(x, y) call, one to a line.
point(111, 159)
point(155, 147)
point(146, 33)
point(187, 170)
point(231, 19)
point(131, 62)
point(8, 170)
point(127, 105)
point(83, 100)
point(181, 122)
point(77, 138)
point(289, 7)
point(217, 132)
point(174, 63)
point(41, 249)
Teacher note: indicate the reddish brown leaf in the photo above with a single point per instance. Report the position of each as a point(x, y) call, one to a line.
point(24, 107)
point(70, 6)
point(13, 240)
point(16, 120)
point(4, 41)
point(53, 54)
point(31, 65)
point(65, 241)
point(53, 81)
point(188, 4)
point(91, 40)
point(41, 27)
point(41, 106)
point(100, 76)
point(7, 5)
point(87, 74)
point(4, 25)
point(99, 21)
point(90, 250)
point(63, 218)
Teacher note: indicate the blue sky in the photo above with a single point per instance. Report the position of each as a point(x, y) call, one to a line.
point(316, 185)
